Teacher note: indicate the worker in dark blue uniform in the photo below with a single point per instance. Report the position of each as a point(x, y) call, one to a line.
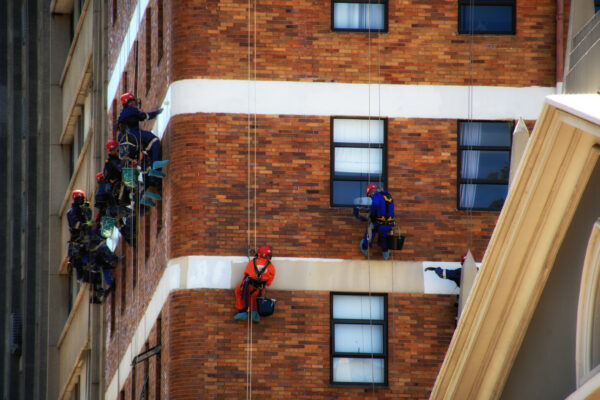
point(451, 274)
point(381, 219)
point(145, 142)
point(79, 218)
point(130, 119)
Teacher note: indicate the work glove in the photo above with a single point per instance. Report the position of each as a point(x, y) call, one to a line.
point(159, 111)
point(437, 270)
point(356, 213)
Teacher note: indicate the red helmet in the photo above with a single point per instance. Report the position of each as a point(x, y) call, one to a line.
point(371, 188)
point(265, 252)
point(99, 176)
point(78, 194)
point(111, 145)
point(126, 98)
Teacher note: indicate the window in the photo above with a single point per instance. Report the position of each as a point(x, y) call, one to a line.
point(486, 16)
point(158, 370)
point(358, 157)
point(115, 13)
point(483, 163)
point(357, 15)
point(148, 49)
point(159, 28)
point(358, 339)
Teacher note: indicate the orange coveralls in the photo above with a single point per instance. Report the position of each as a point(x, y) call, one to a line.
point(253, 292)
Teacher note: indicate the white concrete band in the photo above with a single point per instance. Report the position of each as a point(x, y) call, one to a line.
point(192, 96)
point(302, 274)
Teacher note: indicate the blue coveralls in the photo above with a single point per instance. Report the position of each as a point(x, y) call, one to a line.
point(377, 213)
point(131, 117)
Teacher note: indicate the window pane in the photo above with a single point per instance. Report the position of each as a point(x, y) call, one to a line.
point(358, 162)
point(353, 338)
point(358, 16)
point(358, 131)
point(357, 307)
point(485, 165)
point(487, 18)
point(352, 192)
point(493, 133)
point(482, 196)
point(358, 370)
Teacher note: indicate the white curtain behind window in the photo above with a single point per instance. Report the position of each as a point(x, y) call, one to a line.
point(358, 370)
point(358, 160)
point(358, 16)
point(358, 131)
point(470, 135)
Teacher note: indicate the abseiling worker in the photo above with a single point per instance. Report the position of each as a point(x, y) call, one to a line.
point(381, 220)
point(259, 273)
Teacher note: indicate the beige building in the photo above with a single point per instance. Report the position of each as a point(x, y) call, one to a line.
point(77, 136)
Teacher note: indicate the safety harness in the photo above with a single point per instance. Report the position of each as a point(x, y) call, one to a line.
point(256, 283)
point(386, 219)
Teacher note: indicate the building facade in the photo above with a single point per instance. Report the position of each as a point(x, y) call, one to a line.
point(276, 115)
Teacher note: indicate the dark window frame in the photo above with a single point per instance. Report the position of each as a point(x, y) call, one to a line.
point(385, 17)
point(475, 3)
point(332, 146)
point(384, 355)
point(460, 180)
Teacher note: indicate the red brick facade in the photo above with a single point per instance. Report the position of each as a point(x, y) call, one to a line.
point(205, 211)
point(204, 350)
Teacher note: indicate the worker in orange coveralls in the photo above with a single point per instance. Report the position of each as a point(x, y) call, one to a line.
point(258, 274)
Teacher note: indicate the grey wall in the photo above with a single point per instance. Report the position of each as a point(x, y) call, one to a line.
point(545, 365)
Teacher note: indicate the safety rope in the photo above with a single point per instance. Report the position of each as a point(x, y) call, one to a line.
point(470, 119)
point(370, 234)
point(251, 179)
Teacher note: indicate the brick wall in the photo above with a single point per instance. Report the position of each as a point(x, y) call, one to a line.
point(207, 348)
point(208, 173)
point(295, 42)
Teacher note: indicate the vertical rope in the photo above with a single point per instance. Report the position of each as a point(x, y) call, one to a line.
point(248, 129)
point(255, 125)
point(470, 116)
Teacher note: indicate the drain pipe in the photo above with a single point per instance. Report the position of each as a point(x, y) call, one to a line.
point(560, 54)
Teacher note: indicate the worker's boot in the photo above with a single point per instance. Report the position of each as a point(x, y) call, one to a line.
point(385, 254)
point(159, 164)
point(364, 247)
point(241, 316)
point(147, 202)
point(152, 195)
point(255, 316)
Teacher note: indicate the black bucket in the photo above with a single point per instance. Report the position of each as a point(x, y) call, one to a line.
point(265, 305)
point(395, 242)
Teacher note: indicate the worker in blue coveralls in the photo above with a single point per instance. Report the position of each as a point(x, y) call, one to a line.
point(130, 118)
point(149, 145)
point(381, 219)
point(451, 274)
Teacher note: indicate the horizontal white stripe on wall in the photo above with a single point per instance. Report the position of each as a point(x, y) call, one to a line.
point(193, 96)
point(292, 273)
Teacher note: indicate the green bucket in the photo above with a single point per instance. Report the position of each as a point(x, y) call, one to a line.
point(108, 224)
point(130, 177)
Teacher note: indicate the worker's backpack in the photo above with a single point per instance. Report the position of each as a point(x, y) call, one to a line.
point(129, 148)
point(385, 210)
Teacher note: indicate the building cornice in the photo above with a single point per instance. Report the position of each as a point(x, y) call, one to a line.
point(559, 159)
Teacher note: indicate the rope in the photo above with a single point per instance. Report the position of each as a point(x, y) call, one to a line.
point(370, 234)
point(251, 184)
point(470, 119)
